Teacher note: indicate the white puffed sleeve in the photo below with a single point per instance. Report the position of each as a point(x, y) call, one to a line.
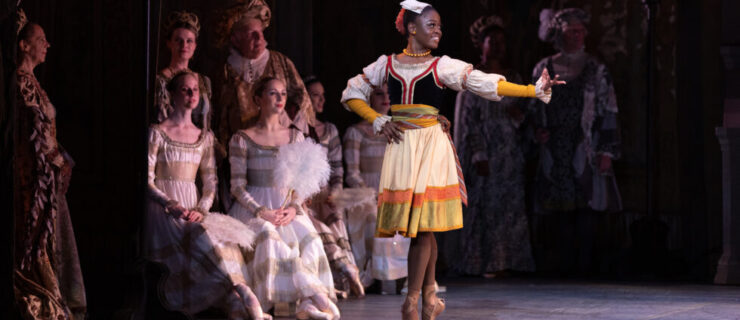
point(460, 75)
point(361, 85)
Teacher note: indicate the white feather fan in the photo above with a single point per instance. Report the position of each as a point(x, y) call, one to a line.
point(223, 229)
point(302, 167)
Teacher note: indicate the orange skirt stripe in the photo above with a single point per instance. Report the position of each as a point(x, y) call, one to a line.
point(432, 193)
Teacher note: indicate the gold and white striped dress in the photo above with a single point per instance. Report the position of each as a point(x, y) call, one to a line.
point(289, 262)
point(378, 258)
point(201, 274)
point(334, 235)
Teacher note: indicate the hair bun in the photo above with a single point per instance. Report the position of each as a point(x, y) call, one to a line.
point(181, 19)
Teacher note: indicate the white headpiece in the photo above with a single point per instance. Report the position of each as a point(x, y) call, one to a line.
point(413, 5)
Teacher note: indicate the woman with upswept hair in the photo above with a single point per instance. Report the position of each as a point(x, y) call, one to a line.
point(203, 269)
point(289, 263)
point(47, 278)
point(181, 30)
point(326, 217)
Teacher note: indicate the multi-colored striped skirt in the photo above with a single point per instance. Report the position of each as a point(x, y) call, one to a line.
point(421, 186)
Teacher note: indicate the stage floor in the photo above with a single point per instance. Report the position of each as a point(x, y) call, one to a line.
point(499, 299)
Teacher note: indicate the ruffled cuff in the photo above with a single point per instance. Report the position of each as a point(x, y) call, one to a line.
point(543, 95)
point(379, 122)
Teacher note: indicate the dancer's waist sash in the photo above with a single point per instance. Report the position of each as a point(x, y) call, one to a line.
point(417, 116)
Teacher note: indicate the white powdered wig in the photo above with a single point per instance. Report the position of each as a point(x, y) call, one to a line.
point(354, 197)
point(223, 229)
point(302, 167)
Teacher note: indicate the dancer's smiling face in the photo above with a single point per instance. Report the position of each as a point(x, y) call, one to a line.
point(427, 28)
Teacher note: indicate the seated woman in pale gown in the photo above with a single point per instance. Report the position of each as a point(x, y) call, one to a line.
point(202, 272)
point(289, 262)
point(378, 258)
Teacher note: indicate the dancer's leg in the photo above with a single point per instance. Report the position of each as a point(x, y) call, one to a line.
point(430, 272)
point(431, 305)
point(419, 253)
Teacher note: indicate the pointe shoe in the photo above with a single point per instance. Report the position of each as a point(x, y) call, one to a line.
point(341, 294)
point(334, 311)
point(356, 288)
point(410, 308)
point(431, 305)
point(306, 310)
point(251, 303)
point(325, 305)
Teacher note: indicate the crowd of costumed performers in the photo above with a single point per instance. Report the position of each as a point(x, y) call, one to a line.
point(256, 208)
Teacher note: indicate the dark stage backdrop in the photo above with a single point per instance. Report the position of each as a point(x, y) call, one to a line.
point(97, 74)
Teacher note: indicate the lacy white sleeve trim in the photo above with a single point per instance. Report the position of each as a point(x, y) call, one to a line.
point(379, 122)
point(544, 96)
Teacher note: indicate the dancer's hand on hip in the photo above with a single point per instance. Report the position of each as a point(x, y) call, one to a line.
point(392, 132)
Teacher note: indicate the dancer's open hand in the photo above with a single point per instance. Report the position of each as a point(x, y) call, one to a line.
point(392, 132)
point(547, 82)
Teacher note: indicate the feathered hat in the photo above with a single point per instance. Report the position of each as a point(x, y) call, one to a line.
point(245, 9)
point(552, 23)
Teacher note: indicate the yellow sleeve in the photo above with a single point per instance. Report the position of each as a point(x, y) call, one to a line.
point(508, 89)
point(361, 108)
